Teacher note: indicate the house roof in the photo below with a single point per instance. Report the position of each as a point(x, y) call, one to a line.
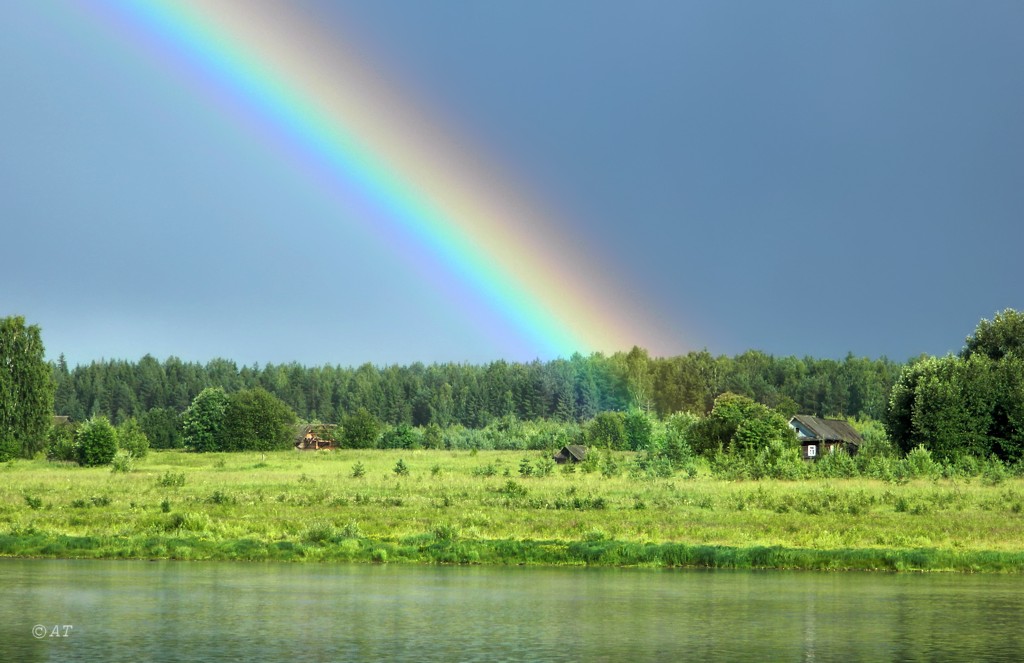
point(828, 430)
point(577, 451)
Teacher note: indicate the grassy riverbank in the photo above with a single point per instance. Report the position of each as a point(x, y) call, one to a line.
point(459, 507)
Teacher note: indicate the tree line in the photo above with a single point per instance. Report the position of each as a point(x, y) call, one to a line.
point(472, 396)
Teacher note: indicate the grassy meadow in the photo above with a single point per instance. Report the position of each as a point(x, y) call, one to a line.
point(465, 507)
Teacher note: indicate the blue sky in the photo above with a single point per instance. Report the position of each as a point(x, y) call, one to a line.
point(809, 178)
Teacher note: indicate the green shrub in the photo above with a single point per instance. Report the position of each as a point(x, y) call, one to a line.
point(351, 531)
point(358, 470)
point(121, 462)
point(61, 444)
point(544, 467)
point(171, 480)
point(96, 443)
point(920, 464)
point(401, 469)
point(9, 448)
point(838, 465)
point(514, 489)
point(132, 439)
point(994, 472)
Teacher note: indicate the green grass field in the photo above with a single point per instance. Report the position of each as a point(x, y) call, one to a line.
point(460, 507)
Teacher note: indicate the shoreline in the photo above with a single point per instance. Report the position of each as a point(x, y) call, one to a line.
point(427, 549)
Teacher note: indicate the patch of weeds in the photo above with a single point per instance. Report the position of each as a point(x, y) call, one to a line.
point(351, 531)
point(401, 469)
point(171, 480)
point(33, 502)
point(122, 462)
point(446, 532)
point(488, 470)
point(319, 532)
point(221, 497)
point(101, 500)
point(358, 470)
point(165, 506)
point(544, 467)
point(513, 489)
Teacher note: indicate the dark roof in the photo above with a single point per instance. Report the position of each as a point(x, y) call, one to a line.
point(577, 451)
point(828, 430)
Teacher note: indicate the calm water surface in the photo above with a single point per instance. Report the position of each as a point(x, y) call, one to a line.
point(173, 611)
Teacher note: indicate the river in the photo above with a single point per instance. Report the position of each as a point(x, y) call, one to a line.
point(57, 610)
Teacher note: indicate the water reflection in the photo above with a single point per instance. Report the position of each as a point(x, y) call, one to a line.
point(235, 611)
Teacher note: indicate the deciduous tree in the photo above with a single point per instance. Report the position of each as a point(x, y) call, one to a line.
point(26, 389)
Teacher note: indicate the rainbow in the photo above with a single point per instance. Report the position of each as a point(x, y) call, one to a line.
point(388, 163)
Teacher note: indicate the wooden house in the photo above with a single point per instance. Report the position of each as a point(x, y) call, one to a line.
point(572, 453)
point(819, 436)
point(314, 437)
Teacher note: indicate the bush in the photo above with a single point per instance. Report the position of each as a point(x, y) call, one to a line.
point(401, 437)
point(122, 461)
point(162, 427)
point(607, 429)
point(544, 467)
point(60, 444)
point(171, 480)
point(360, 430)
point(9, 448)
point(401, 469)
point(920, 464)
point(96, 443)
point(838, 465)
point(132, 439)
point(256, 420)
point(203, 421)
point(994, 471)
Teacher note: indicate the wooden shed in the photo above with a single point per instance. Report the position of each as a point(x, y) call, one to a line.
point(819, 436)
point(314, 437)
point(572, 453)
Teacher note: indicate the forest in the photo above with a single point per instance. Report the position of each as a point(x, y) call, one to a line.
point(566, 390)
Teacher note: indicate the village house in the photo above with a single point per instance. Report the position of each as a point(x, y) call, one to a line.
point(572, 453)
point(314, 437)
point(819, 436)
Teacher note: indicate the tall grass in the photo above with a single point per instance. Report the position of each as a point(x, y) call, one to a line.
point(461, 507)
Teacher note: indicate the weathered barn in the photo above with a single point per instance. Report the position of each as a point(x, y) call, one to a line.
point(819, 436)
point(572, 453)
point(314, 437)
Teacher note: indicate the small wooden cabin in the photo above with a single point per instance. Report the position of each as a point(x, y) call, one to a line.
point(819, 436)
point(314, 437)
point(572, 453)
